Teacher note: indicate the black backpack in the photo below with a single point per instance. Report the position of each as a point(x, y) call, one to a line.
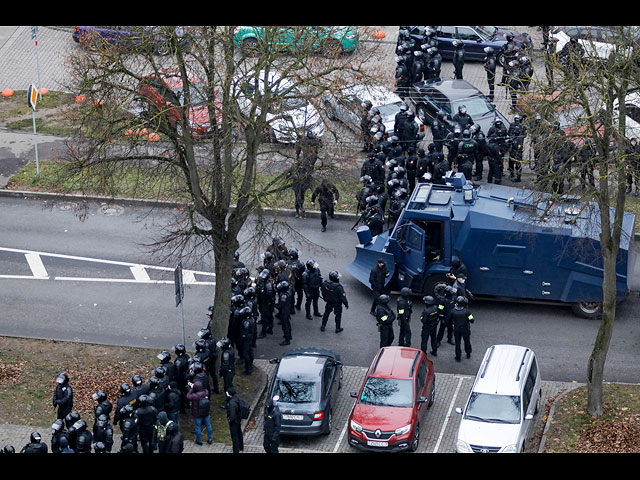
point(204, 407)
point(244, 409)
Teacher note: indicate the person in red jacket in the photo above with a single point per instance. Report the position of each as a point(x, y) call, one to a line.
point(198, 397)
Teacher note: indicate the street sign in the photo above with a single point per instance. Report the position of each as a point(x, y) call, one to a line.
point(33, 96)
point(177, 279)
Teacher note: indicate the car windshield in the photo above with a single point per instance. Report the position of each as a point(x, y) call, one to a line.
point(387, 392)
point(477, 107)
point(484, 407)
point(296, 391)
point(389, 110)
point(486, 32)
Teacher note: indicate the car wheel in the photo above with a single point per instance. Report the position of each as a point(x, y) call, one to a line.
point(415, 442)
point(500, 59)
point(329, 423)
point(432, 395)
point(587, 309)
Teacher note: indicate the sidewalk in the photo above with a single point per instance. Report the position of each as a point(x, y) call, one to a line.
point(438, 436)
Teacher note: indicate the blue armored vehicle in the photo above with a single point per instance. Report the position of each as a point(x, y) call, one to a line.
point(514, 244)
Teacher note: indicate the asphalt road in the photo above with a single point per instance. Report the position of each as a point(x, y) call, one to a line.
point(110, 302)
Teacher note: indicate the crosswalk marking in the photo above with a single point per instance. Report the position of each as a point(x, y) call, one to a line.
point(36, 265)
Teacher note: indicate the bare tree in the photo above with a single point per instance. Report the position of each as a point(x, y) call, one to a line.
point(216, 112)
point(589, 162)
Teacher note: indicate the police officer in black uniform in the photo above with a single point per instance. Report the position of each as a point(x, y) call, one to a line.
point(385, 316)
point(128, 424)
point(147, 415)
point(404, 307)
point(103, 432)
point(57, 432)
point(335, 297)
point(227, 362)
point(182, 368)
point(516, 133)
point(63, 396)
point(272, 425)
point(430, 319)
point(458, 58)
point(328, 195)
point(435, 64)
point(266, 301)
point(35, 445)
point(247, 332)
point(467, 150)
point(377, 279)
point(284, 310)
point(311, 283)
point(462, 320)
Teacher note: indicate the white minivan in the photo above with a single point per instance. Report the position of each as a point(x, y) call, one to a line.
point(503, 401)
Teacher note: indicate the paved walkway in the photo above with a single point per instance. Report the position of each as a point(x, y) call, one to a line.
point(437, 436)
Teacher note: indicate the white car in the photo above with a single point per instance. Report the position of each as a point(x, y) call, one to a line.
point(503, 401)
point(632, 122)
point(597, 41)
point(291, 116)
point(346, 105)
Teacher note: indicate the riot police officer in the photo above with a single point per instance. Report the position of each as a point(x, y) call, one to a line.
point(467, 150)
point(284, 310)
point(58, 432)
point(328, 195)
point(84, 438)
point(127, 397)
point(462, 320)
point(63, 396)
point(247, 332)
point(430, 320)
point(335, 297)
point(227, 362)
point(182, 368)
point(516, 134)
point(489, 64)
point(311, 283)
point(272, 425)
point(404, 307)
point(297, 268)
point(147, 414)
point(104, 406)
point(35, 445)
point(385, 317)
point(103, 432)
point(129, 428)
point(458, 58)
point(266, 301)
point(435, 64)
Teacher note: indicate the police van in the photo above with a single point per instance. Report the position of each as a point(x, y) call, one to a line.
point(503, 401)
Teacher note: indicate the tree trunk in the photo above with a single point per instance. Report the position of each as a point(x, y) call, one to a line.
point(223, 255)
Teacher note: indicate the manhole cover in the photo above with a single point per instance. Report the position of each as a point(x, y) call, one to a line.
point(113, 210)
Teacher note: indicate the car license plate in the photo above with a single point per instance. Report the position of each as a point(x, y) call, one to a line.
point(292, 417)
point(373, 443)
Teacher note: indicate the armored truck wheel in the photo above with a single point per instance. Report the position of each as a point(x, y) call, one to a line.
point(435, 285)
point(587, 309)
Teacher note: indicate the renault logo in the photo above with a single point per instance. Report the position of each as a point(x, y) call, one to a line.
point(377, 433)
point(484, 450)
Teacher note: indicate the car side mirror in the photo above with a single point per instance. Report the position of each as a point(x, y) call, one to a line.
point(353, 394)
point(459, 410)
point(422, 399)
point(528, 416)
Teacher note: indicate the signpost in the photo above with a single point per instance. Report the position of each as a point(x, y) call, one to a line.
point(33, 100)
point(179, 289)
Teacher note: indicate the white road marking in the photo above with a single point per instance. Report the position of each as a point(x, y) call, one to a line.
point(36, 265)
point(446, 420)
point(139, 271)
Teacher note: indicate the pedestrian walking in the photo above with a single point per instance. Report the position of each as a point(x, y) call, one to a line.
point(272, 424)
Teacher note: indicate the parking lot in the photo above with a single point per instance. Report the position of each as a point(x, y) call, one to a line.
point(438, 435)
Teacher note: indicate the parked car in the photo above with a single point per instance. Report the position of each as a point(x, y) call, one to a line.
point(306, 383)
point(597, 41)
point(391, 405)
point(429, 98)
point(158, 92)
point(329, 38)
point(632, 105)
point(290, 117)
point(346, 105)
point(475, 38)
point(504, 398)
point(132, 36)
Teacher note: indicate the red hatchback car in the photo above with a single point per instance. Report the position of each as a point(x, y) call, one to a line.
point(156, 89)
point(398, 389)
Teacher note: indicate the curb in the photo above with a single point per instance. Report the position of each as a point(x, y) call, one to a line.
point(547, 423)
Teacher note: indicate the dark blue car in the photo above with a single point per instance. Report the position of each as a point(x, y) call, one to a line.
point(475, 39)
point(139, 36)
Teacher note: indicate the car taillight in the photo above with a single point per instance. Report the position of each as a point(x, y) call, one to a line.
point(318, 416)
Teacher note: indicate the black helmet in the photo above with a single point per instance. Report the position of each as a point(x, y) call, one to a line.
point(429, 300)
point(201, 345)
point(282, 286)
point(35, 437)
point(57, 425)
point(334, 276)
point(460, 300)
point(102, 420)
point(99, 396)
point(71, 418)
point(144, 399)
point(8, 449)
point(210, 310)
point(179, 349)
point(127, 410)
point(160, 372)
point(236, 256)
point(223, 343)
point(80, 425)
point(155, 381)
point(405, 291)
point(455, 261)
point(246, 312)
point(62, 379)
point(136, 380)
point(383, 299)
point(249, 292)
point(456, 43)
point(237, 300)
point(124, 389)
point(293, 253)
point(311, 264)
point(164, 357)
point(99, 447)
point(204, 334)
point(265, 274)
